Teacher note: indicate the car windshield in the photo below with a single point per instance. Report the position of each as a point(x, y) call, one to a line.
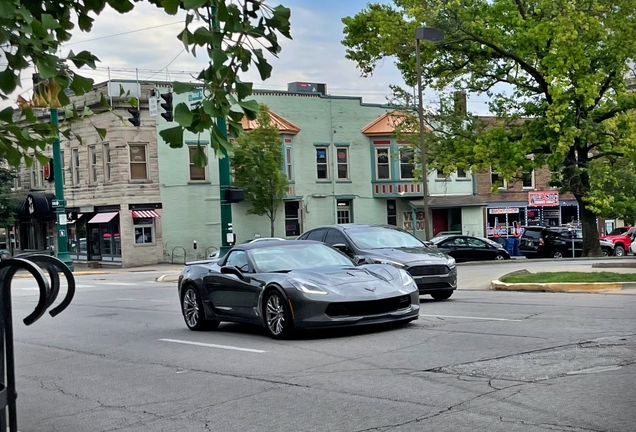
point(378, 238)
point(276, 258)
point(438, 240)
point(619, 231)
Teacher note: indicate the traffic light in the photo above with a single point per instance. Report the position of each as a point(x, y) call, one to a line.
point(167, 106)
point(135, 119)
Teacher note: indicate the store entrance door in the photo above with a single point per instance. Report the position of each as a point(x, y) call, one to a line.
point(94, 250)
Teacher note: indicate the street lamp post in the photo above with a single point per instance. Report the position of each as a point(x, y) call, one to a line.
point(427, 34)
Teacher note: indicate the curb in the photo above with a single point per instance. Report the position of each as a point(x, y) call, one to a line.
point(168, 278)
point(595, 287)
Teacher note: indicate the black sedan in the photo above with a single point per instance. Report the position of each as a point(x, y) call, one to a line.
point(469, 248)
point(291, 285)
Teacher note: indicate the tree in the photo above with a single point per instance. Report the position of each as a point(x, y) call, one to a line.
point(7, 200)
point(31, 34)
point(613, 192)
point(258, 167)
point(555, 71)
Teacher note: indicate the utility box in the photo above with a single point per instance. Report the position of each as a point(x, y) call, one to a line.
point(234, 195)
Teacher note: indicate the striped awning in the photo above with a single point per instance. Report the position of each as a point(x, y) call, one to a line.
point(103, 217)
point(141, 214)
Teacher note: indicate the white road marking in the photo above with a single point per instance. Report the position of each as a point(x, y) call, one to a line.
point(596, 369)
point(126, 299)
point(119, 283)
point(473, 318)
point(161, 301)
point(227, 347)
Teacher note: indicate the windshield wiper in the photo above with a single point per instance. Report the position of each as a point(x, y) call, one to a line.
point(280, 271)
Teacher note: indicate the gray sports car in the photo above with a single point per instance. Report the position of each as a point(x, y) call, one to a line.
point(292, 285)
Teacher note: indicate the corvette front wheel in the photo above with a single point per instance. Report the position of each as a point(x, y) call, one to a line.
point(278, 319)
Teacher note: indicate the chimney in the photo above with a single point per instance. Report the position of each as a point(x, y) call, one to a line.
point(460, 103)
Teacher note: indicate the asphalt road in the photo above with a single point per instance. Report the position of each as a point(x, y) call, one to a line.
point(121, 359)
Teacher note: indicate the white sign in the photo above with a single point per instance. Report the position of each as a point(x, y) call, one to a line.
point(55, 203)
point(152, 106)
point(507, 210)
point(62, 219)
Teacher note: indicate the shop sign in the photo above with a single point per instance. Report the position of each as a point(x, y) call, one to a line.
point(540, 198)
point(502, 210)
point(407, 225)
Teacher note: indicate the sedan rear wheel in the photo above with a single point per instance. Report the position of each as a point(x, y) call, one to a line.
point(278, 319)
point(499, 257)
point(441, 295)
point(193, 313)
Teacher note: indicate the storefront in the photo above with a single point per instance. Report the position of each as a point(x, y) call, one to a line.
point(543, 208)
point(35, 225)
point(94, 233)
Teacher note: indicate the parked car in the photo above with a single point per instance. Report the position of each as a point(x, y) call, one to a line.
point(470, 248)
point(556, 242)
point(434, 272)
point(622, 238)
point(291, 285)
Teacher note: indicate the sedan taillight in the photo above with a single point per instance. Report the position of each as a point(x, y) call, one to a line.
point(541, 243)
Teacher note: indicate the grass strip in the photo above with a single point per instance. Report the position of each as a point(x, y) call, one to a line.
point(570, 277)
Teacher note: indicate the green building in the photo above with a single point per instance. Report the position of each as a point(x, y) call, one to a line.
point(343, 165)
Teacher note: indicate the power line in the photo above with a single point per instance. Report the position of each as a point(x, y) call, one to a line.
point(166, 68)
point(124, 33)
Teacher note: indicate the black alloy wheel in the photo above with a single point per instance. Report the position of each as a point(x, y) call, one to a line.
point(441, 295)
point(277, 314)
point(193, 313)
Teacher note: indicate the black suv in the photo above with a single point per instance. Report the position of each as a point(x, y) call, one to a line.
point(434, 272)
point(555, 242)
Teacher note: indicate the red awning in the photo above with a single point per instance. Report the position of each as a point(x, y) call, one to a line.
point(103, 217)
point(140, 214)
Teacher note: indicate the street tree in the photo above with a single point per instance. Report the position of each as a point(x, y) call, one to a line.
point(258, 168)
point(8, 206)
point(226, 31)
point(613, 193)
point(555, 72)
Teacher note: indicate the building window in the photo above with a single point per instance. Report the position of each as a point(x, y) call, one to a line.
point(391, 212)
point(144, 230)
point(344, 211)
point(382, 164)
point(138, 162)
point(288, 164)
point(16, 178)
point(37, 175)
point(322, 163)
point(197, 173)
point(494, 180)
point(527, 179)
point(107, 164)
point(407, 164)
point(293, 220)
point(461, 173)
point(92, 165)
point(75, 166)
point(343, 163)
point(440, 174)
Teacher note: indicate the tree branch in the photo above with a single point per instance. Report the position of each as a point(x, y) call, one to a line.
point(521, 8)
point(604, 88)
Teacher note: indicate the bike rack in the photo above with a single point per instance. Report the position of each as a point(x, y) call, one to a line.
point(48, 294)
point(214, 248)
point(184, 254)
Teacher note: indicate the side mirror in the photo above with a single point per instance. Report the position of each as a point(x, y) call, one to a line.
point(341, 247)
point(360, 260)
point(233, 271)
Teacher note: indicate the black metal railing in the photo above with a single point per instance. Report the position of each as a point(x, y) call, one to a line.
point(34, 264)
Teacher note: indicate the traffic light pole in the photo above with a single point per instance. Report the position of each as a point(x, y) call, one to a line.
point(225, 179)
point(60, 210)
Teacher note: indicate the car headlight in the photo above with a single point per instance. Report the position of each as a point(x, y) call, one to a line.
point(388, 262)
point(407, 279)
point(307, 287)
point(450, 262)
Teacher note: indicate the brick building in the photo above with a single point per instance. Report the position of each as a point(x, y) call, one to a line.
point(110, 186)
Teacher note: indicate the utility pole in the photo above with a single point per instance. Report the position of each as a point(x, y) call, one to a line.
point(60, 210)
point(225, 179)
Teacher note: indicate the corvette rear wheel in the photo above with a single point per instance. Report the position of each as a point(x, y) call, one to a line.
point(278, 319)
point(193, 313)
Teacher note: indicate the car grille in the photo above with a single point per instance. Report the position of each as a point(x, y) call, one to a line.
point(428, 270)
point(369, 307)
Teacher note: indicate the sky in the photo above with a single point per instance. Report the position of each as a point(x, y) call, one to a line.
point(314, 55)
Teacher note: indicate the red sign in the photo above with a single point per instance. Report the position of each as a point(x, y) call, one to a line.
point(47, 171)
point(539, 198)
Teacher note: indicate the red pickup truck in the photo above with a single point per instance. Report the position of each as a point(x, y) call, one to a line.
point(622, 238)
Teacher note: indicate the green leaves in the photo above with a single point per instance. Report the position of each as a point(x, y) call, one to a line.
point(81, 85)
point(173, 136)
point(183, 116)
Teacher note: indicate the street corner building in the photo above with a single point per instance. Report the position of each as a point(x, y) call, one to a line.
point(111, 190)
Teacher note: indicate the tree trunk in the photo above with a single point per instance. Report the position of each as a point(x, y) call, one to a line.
point(271, 227)
point(591, 245)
